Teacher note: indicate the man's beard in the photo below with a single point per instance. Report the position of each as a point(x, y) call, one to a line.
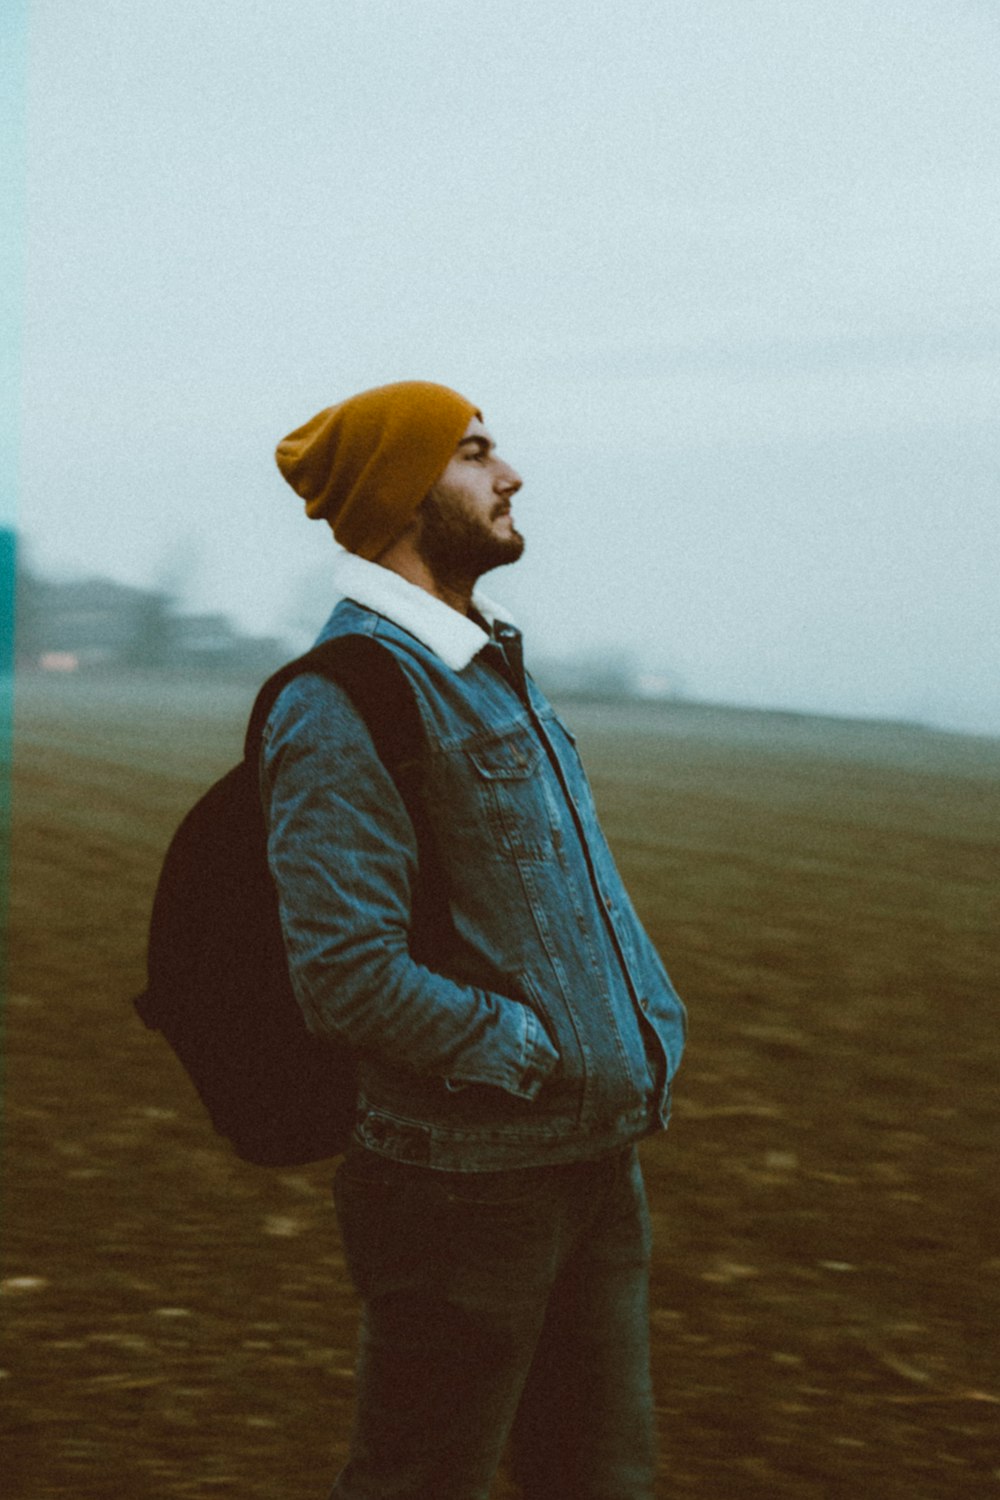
point(459, 547)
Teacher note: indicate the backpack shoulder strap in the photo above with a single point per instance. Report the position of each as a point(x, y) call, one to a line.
point(381, 692)
point(376, 683)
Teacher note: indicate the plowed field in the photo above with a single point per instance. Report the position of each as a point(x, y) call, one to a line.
point(827, 1200)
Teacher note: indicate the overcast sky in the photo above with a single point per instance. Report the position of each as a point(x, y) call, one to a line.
point(722, 275)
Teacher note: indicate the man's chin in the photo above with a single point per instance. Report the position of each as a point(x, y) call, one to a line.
point(456, 551)
point(505, 552)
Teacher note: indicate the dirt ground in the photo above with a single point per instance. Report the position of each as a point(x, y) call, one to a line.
point(827, 1200)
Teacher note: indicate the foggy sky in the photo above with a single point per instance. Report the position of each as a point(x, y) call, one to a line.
point(722, 275)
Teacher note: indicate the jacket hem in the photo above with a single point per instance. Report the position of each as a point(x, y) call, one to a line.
point(418, 1144)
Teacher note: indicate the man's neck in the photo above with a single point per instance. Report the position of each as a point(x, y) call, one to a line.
point(408, 564)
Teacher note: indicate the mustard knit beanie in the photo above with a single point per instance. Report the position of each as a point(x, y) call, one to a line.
point(364, 466)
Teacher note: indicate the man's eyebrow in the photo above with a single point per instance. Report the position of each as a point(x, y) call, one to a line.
point(484, 442)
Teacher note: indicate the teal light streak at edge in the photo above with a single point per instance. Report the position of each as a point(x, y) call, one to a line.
point(14, 16)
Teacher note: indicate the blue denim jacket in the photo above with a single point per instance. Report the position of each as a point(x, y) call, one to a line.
point(549, 1030)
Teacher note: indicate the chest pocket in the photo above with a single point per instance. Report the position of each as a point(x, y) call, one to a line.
point(508, 775)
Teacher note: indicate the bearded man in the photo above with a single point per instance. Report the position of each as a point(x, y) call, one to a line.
point(491, 1203)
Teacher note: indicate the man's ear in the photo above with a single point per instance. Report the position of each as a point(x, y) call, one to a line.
point(405, 540)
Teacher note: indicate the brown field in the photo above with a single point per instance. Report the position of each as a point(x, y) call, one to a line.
point(827, 1201)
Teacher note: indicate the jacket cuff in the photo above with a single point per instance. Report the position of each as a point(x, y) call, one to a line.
point(540, 1057)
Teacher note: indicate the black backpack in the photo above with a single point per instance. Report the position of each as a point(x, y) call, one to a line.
point(218, 985)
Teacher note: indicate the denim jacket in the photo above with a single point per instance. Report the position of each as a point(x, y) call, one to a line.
point(546, 1029)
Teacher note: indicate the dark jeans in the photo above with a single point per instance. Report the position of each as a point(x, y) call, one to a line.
point(499, 1305)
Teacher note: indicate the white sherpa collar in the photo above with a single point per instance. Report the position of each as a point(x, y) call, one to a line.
point(453, 637)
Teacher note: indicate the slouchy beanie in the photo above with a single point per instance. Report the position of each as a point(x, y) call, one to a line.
point(364, 466)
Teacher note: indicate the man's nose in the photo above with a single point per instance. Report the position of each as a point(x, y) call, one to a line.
point(508, 480)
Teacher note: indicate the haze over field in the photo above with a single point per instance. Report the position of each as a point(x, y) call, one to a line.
point(722, 276)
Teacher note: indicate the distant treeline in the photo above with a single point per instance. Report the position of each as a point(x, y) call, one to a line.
point(98, 625)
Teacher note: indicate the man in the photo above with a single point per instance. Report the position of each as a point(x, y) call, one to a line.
point(491, 1205)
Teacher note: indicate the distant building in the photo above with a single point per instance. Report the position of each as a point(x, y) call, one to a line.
point(95, 623)
point(93, 620)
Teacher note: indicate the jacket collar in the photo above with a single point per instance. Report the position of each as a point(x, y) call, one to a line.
point(453, 637)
